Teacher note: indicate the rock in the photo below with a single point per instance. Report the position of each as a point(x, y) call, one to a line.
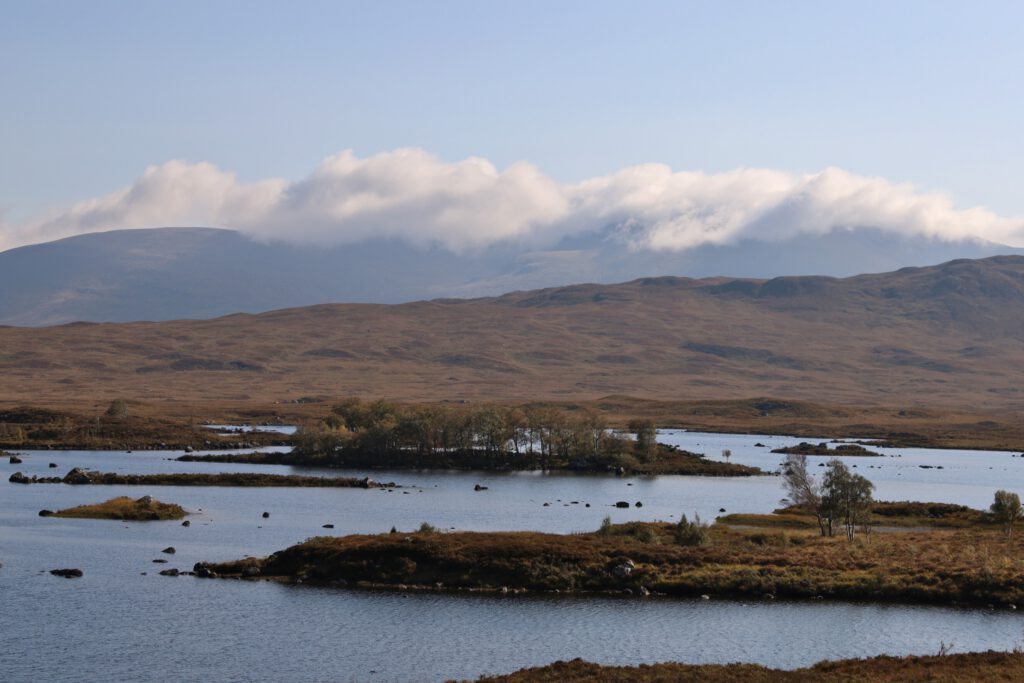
point(186, 523)
point(188, 449)
point(250, 572)
point(644, 592)
point(45, 513)
point(328, 526)
point(721, 509)
point(169, 550)
point(623, 568)
point(145, 500)
point(266, 515)
point(478, 487)
point(622, 504)
point(705, 597)
point(53, 465)
point(15, 460)
point(160, 560)
point(170, 572)
point(77, 476)
point(639, 504)
point(587, 505)
point(67, 573)
point(19, 478)
point(759, 445)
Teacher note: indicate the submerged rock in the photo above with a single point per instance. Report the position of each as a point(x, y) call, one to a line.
point(15, 460)
point(169, 550)
point(170, 572)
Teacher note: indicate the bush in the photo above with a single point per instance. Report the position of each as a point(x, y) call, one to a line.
point(691, 533)
point(428, 528)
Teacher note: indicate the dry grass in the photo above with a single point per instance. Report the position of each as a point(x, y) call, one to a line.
point(144, 509)
point(967, 566)
point(980, 666)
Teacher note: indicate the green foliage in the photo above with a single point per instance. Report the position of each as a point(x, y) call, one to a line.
point(428, 528)
point(691, 533)
point(846, 498)
point(118, 408)
point(1006, 510)
point(646, 438)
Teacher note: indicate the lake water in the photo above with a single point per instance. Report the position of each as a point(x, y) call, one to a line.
point(117, 624)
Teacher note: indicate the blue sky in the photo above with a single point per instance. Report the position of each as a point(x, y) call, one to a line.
point(916, 92)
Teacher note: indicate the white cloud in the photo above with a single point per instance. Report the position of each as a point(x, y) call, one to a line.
point(410, 195)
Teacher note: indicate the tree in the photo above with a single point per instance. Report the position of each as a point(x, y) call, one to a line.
point(118, 408)
point(802, 490)
point(727, 453)
point(646, 438)
point(1006, 510)
point(845, 498)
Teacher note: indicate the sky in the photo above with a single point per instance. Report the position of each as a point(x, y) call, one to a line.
point(461, 123)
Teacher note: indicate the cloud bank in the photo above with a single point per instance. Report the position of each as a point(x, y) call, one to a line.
point(410, 195)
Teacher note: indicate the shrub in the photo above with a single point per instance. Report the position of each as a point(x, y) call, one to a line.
point(691, 533)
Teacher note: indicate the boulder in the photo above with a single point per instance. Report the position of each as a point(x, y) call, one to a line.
point(169, 550)
point(478, 487)
point(623, 568)
point(622, 504)
point(19, 478)
point(186, 523)
point(77, 476)
point(45, 513)
point(170, 572)
point(250, 572)
point(266, 515)
point(53, 465)
point(145, 500)
point(639, 504)
point(160, 560)
point(67, 573)
point(328, 526)
point(15, 460)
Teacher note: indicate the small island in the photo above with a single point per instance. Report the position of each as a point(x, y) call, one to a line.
point(845, 449)
point(942, 554)
point(80, 477)
point(125, 509)
point(385, 435)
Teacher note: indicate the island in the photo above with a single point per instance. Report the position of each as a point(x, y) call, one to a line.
point(125, 509)
point(82, 477)
point(846, 449)
point(969, 561)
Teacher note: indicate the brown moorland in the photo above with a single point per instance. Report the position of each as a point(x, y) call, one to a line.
point(124, 508)
point(975, 565)
point(949, 668)
point(947, 338)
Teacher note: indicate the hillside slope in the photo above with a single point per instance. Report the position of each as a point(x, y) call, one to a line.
point(949, 335)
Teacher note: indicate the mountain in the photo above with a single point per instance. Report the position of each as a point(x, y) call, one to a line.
point(173, 273)
point(949, 335)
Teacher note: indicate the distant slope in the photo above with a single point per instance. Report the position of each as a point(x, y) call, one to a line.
point(174, 273)
point(949, 335)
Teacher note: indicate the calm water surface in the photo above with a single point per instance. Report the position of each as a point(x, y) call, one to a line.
point(117, 624)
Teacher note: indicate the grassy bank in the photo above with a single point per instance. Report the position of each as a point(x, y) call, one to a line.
point(245, 479)
point(37, 428)
point(975, 565)
point(883, 514)
point(846, 449)
point(975, 666)
point(124, 508)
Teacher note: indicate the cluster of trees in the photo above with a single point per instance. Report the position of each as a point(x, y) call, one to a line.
point(1006, 510)
point(841, 499)
point(545, 436)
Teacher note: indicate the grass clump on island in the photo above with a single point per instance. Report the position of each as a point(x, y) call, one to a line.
point(942, 668)
point(975, 565)
point(125, 508)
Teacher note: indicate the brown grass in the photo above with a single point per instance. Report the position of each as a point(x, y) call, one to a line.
point(979, 666)
point(967, 566)
point(124, 508)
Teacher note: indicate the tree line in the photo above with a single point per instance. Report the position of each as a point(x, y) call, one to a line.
point(540, 436)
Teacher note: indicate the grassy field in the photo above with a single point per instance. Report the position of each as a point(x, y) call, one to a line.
point(953, 668)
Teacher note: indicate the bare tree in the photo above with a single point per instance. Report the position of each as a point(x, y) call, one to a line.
point(727, 453)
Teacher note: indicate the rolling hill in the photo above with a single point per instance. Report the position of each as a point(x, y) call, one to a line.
point(947, 336)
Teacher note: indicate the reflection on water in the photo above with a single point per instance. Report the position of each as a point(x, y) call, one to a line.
point(117, 624)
